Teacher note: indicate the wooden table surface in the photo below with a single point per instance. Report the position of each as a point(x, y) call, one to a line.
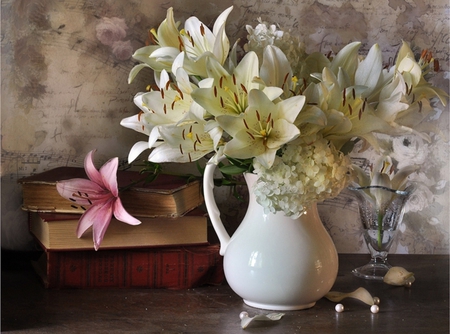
point(29, 308)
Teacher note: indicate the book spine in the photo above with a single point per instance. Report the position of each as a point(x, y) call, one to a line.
point(170, 268)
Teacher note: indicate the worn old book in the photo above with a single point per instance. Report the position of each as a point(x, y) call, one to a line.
point(56, 231)
point(168, 195)
point(170, 268)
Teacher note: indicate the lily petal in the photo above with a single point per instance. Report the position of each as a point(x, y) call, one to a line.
point(121, 214)
point(81, 191)
point(108, 173)
point(95, 216)
point(136, 150)
point(92, 172)
point(369, 71)
point(347, 58)
point(101, 219)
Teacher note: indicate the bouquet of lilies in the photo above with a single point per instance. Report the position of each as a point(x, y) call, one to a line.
point(274, 110)
point(286, 115)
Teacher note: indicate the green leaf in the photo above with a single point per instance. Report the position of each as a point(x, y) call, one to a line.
point(232, 170)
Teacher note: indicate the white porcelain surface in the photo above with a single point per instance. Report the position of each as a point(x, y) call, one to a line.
point(272, 261)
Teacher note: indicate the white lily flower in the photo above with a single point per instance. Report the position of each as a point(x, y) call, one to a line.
point(196, 41)
point(184, 143)
point(263, 128)
point(418, 92)
point(228, 94)
point(171, 105)
point(348, 112)
point(275, 69)
point(160, 56)
point(199, 41)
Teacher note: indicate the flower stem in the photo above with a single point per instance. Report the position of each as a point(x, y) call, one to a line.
point(380, 230)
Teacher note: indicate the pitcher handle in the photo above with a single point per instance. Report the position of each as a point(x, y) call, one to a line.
point(211, 206)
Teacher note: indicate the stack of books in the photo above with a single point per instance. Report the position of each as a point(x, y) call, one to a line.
point(169, 249)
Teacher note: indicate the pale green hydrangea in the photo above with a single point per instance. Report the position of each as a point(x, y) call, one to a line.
point(303, 174)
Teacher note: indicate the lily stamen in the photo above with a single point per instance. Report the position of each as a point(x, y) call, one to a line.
point(179, 91)
point(258, 116)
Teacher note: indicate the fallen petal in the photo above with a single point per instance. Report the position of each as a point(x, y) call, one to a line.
point(399, 276)
point(360, 294)
point(246, 321)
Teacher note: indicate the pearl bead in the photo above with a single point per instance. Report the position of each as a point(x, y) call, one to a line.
point(408, 284)
point(243, 315)
point(376, 300)
point(374, 309)
point(339, 308)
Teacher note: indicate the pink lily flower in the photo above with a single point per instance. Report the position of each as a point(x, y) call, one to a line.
point(101, 194)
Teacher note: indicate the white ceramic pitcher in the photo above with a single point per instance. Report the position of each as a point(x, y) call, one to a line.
point(273, 261)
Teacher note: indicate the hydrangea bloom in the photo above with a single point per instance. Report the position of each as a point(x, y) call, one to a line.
point(303, 174)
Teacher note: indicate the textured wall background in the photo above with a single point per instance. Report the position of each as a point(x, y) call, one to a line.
point(64, 92)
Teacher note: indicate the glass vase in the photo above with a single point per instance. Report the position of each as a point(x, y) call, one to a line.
point(381, 210)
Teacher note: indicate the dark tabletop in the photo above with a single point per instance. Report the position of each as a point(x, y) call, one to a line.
point(29, 308)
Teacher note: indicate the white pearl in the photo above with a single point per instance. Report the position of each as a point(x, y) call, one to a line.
point(339, 308)
point(243, 315)
point(376, 300)
point(374, 309)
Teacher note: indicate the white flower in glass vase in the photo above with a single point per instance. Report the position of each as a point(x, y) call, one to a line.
point(383, 175)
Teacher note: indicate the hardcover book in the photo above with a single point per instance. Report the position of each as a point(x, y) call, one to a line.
point(58, 231)
point(170, 268)
point(167, 196)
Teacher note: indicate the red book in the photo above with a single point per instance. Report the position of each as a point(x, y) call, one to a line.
point(170, 268)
